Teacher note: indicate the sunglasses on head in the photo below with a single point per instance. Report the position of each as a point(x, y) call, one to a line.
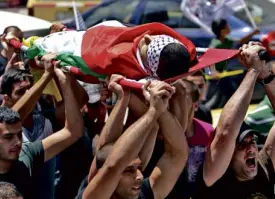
point(244, 144)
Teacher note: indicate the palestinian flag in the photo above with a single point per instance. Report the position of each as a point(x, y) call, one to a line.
point(105, 50)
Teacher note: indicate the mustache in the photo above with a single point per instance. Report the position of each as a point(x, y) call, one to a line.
point(251, 155)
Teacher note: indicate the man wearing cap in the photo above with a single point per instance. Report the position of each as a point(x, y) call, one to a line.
point(234, 167)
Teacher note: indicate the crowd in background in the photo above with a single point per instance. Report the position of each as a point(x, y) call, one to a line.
point(108, 141)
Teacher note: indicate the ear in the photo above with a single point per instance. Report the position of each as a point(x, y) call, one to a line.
point(147, 39)
point(6, 100)
point(196, 106)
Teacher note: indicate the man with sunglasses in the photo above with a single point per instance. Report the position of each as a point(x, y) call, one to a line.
point(234, 167)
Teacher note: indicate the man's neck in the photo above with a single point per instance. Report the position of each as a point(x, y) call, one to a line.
point(222, 38)
point(190, 129)
point(5, 166)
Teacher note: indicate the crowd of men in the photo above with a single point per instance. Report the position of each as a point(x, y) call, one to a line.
point(153, 143)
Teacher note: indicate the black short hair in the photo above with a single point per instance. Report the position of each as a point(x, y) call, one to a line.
point(8, 191)
point(217, 26)
point(11, 77)
point(8, 116)
point(15, 29)
point(174, 60)
point(199, 73)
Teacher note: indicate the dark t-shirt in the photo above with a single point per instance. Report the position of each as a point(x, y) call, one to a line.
point(66, 187)
point(186, 183)
point(185, 187)
point(204, 114)
point(26, 169)
point(228, 187)
point(146, 190)
point(3, 64)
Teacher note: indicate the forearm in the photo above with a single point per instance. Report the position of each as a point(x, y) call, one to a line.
point(114, 126)
point(148, 148)
point(270, 87)
point(26, 104)
point(270, 91)
point(270, 141)
point(74, 120)
point(173, 134)
point(179, 108)
point(268, 150)
point(247, 38)
point(235, 110)
point(222, 148)
point(132, 140)
point(80, 94)
point(137, 107)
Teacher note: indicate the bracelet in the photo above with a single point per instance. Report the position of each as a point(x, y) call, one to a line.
point(268, 79)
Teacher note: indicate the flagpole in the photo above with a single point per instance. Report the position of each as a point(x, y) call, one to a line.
point(252, 21)
point(75, 16)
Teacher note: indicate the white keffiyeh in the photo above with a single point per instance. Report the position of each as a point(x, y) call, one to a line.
point(155, 48)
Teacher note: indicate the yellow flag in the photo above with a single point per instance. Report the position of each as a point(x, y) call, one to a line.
point(51, 88)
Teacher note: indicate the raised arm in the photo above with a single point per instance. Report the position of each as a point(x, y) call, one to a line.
point(179, 104)
point(28, 101)
point(269, 87)
point(220, 153)
point(163, 178)
point(80, 95)
point(248, 37)
point(74, 127)
point(113, 128)
point(126, 149)
point(269, 145)
point(139, 108)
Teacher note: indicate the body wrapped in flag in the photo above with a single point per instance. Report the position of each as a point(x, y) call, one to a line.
point(147, 51)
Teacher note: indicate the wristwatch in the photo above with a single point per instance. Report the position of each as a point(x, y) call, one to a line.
point(268, 79)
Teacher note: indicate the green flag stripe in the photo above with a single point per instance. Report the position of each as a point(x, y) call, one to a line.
point(67, 59)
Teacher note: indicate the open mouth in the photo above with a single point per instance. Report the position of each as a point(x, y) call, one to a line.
point(136, 188)
point(250, 162)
